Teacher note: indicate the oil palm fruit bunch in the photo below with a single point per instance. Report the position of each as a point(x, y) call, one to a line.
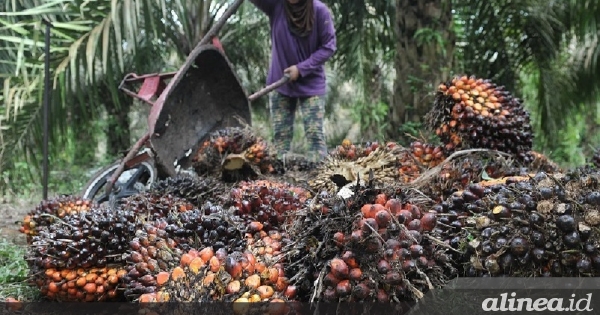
point(161, 243)
point(231, 149)
point(150, 252)
point(259, 155)
point(350, 151)
point(48, 211)
point(80, 285)
point(427, 154)
point(545, 226)
point(230, 140)
point(420, 157)
point(253, 274)
point(474, 168)
point(380, 168)
point(459, 173)
point(211, 225)
point(541, 163)
point(471, 112)
point(153, 206)
point(256, 159)
point(269, 202)
point(220, 143)
point(89, 239)
point(371, 247)
point(195, 190)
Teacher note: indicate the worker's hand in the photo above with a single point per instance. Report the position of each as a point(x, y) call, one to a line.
point(292, 72)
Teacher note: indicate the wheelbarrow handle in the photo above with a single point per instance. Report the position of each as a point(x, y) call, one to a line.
point(269, 88)
point(133, 77)
point(153, 84)
point(212, 32)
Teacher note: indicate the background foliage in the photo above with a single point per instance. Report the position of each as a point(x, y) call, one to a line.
point(391, 56)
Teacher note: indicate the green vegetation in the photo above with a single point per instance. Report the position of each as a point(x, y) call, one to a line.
point(13, 273)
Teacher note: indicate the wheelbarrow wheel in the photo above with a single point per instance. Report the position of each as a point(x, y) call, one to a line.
point(132, 181)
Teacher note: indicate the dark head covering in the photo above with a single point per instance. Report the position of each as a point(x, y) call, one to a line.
point(300, 16)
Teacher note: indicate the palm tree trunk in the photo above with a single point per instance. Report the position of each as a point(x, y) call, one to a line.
point(373, 88)
point(424, 53)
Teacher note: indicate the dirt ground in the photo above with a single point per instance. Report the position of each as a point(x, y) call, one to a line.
point(11, 213)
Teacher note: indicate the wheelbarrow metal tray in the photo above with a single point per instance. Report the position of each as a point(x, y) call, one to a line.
point(204, 96)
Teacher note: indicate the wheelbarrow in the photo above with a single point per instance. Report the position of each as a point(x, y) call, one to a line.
point(203, 96)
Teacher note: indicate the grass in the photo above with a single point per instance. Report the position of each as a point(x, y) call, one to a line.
point(14, 272)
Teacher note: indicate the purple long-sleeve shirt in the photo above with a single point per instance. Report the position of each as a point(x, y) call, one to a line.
point(308, 53)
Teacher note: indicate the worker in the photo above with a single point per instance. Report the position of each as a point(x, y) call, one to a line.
point(303, 39)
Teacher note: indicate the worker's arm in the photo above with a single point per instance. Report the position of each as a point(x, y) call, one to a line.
point(327, 48)
point(265, 5)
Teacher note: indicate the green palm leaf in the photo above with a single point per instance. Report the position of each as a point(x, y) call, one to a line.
point(84, 37)
point(500, 40)
point(93, 44)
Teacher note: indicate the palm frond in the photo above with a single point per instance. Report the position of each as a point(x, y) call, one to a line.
point(89, 41)
point(365, 36)
point(247, 44)
point(93, 43)
point(502, 38)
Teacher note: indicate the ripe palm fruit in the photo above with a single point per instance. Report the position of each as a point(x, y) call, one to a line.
point(207, 275)
point(95, 238)
point(420, 157)
point(267, 247)
point(460, 173)
point(240, 146)
point(381, 253)
point(389, 244)
point(150, 252)
point(349, 151)
point(47, 212)
point(427, 154)
point(230, 140)
point(160, 244)
point(268, 202)
point(228, 273)
point(541, 226)
point(256, 159)
point(470, 112)
point(408, 169)
point(257, 153)
point(81, 285)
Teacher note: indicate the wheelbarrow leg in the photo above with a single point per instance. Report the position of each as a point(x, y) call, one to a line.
point(132, 153)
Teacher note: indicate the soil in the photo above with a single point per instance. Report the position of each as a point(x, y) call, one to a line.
point(11, 214)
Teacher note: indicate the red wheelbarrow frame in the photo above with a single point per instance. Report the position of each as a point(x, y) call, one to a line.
point(150, 92)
